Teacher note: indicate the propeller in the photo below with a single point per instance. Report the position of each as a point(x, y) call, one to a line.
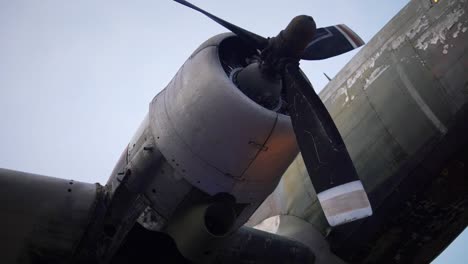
point(254, 40)
point(336, 182)
point(327, 42)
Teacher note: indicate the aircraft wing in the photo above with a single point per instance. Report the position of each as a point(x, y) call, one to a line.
point(44, 218)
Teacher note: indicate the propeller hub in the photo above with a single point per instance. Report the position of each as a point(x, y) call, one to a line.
point(297, 35)
point(288, 46)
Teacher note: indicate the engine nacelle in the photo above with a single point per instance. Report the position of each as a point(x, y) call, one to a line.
point(216, 137)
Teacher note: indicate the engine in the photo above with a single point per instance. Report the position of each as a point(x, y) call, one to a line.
point(216, 137)
point(206, 144)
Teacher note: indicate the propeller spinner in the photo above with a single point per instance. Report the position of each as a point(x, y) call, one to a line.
point(339, 190)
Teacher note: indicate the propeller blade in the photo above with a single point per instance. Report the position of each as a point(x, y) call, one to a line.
point(332, 41)
point(339, 190)
point(253, 39)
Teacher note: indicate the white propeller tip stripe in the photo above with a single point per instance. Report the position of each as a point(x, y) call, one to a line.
point(345, 203)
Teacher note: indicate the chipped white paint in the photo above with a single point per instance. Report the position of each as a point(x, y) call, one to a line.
point(397, 42)
point(419, 25)
point(459, 28)
point(432, 36)
point(375, 75)
point(370, 63)
point(446, 47)
point(339, 92)
point(439, 32)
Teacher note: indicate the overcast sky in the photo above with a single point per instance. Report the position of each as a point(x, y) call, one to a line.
point(76, 77)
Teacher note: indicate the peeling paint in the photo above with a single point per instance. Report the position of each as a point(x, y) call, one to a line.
point(339, 92)
point(459, 28)
point(397, 42)
point(431, 37)
point(418, 26)
point(438, 33)
point(375, 75)
point(421, 24)
point(445, 51)
point(370, 63)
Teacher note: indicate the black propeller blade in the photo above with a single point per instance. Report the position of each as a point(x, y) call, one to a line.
point(327, 42)
point(331, 41)
point(339, 190)
point(325, 155)
point(321, 145)
point(253, 39)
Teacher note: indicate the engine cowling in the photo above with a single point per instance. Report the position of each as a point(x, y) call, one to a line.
point(216, 137)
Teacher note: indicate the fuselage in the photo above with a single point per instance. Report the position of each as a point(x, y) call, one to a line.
point(401, 106)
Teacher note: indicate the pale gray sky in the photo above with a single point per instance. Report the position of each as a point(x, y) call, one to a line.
point(76, 77)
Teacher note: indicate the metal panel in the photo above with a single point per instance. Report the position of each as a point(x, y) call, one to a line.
point(43, 218)
point(214, 117)
point(179, 155)
point(275, 156)
point(442, 49)
point(401, 105)
point(214, 136)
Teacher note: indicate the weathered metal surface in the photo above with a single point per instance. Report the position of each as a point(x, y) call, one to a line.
point(125, 198)
point(400, 105)
point(43, 218)
point(299, 230)
point(418, 220)
point(249, 245)
point(213, 135)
